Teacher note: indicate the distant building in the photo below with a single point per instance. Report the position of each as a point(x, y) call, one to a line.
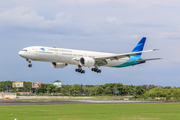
point(57, 83)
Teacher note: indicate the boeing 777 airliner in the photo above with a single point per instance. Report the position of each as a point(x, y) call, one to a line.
point(60, 57)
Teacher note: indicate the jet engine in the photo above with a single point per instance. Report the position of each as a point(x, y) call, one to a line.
point(87, 62)
point(58, 65)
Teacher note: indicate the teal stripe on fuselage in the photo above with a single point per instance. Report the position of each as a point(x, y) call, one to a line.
point(128, 63)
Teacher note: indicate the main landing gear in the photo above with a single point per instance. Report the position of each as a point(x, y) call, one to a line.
point(79, 70)
point(30, 65)
point(96, 70)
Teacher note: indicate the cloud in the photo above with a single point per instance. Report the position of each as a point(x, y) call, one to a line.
point(152, 2)
point(141, 3)
point(171, 35)
point(24, 16)
point(113, 20)
point(20, 16)
point(25, 19)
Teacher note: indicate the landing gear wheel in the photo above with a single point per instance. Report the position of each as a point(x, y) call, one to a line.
point(30, 65)
point(79, 70)
point(99, 71)
point(96, 70)
point(83, 71)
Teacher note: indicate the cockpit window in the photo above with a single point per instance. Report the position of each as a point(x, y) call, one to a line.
point(24, 50)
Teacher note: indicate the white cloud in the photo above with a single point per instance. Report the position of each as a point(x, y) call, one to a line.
point(113, 20)
point(152, 2)
point(90, 2)
point(171, 35)
point(20, 16)
point(27, 18)
point(135, 36)
point(24, 16)
point(132, 2)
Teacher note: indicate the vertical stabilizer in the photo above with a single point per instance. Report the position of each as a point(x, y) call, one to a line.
point(139, 47)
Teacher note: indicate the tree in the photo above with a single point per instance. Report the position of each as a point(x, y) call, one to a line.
point(139, 90)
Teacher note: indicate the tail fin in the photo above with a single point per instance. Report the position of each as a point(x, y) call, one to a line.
point(139, 47)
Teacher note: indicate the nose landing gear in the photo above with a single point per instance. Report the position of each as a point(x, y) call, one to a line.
point(30, 65)
point(79, 70)
point(96, 70)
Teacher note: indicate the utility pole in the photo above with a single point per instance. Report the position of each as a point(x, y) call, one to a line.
point(47, 89)
point(81, 89)
point(0, 85)
point(69, 91)
point(36, 91)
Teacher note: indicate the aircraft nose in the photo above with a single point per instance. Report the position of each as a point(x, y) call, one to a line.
point(21, 54)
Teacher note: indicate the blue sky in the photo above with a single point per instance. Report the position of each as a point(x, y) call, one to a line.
point(114, 26)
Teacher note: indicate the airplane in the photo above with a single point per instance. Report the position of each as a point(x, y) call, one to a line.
point(60, 57)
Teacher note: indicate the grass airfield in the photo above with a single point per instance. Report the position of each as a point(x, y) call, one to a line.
point(138, 111)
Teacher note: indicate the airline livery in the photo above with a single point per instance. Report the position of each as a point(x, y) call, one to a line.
point(60, 57)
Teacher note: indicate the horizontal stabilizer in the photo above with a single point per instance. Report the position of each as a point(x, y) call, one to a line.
point(118, 56)
point(148, 59)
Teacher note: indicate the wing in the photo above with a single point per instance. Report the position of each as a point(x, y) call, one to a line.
point(101, 60)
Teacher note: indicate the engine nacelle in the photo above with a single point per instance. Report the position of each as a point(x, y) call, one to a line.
point(58, 65)
point(87, 62)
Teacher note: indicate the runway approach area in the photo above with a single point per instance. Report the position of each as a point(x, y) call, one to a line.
point(15, 102)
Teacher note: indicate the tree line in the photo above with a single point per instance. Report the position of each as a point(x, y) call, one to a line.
point(98, 90)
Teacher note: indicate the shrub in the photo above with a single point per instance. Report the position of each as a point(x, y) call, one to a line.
point(110, 95)
point(153, 96)
point(18, 94)
point(65, 94)
point(168, 97)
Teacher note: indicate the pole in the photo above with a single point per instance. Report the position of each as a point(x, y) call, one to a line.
point(47, 89)
point(0, 85)
point(0, 82)
point(69, 91)
point(36, 91)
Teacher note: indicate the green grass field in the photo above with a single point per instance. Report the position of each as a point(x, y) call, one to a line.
point(144, 111)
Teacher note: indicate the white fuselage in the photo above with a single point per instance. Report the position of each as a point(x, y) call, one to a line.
point(61, 55)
